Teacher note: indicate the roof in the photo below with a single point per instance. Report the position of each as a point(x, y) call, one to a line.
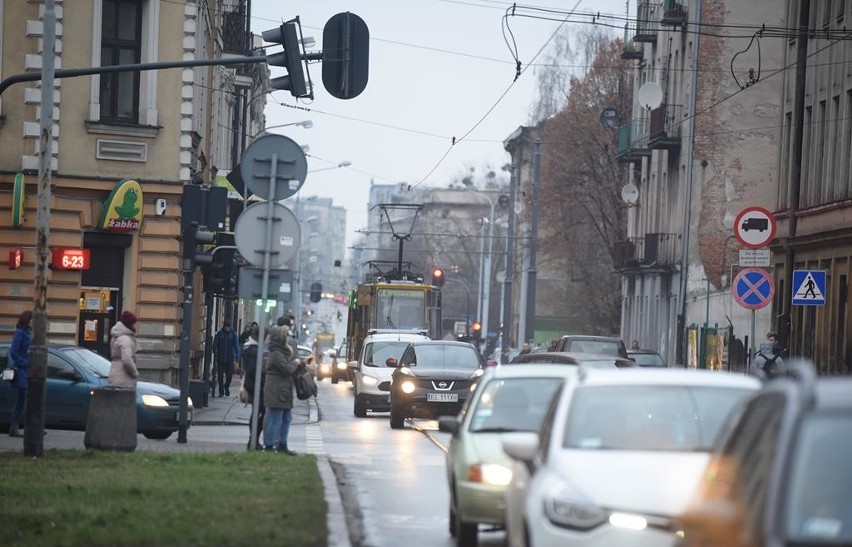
point(533, 370)
point(571, 357)
point(430, 342)
point(643, 351)
point(402, 336)
point(591, 337)
point(668, 376)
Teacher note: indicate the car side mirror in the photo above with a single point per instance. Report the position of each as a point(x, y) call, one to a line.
point(521, 446)
point(391, 362)
point(449, 424)
point(352, 364)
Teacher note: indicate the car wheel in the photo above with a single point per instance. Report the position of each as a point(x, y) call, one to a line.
point(158, 435)
point(360, 407)
point(334, 378)
point(466, 532)
point(397, 420)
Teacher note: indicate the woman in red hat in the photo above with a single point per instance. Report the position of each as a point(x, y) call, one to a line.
point(122, 352)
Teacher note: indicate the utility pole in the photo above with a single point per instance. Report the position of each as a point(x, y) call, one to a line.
point(36, 388)
point(529, 330)
point(508, 278)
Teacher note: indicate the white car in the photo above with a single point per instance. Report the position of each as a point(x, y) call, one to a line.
point(371, 373)
point(618, 458)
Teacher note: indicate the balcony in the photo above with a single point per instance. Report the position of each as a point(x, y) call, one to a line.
point(627, 254)
point(646, 23)
point(666, 123)
point(633, 141)
point(632, 49)
point(661, 250)
point(674, 13)
point(235, 39)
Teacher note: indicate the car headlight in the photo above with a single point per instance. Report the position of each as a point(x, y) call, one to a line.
point(407, 386)
point(405, 370)
point(154, 400)
point(565, 508)
point(489, 473)
point(479, 372)
point(369, 380)
point(325, 367)
point(341, 365)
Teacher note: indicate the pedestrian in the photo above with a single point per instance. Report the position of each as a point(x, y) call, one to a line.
point(226, 346)
point(250, 367)
point(19, 354)
point(768, 356)
point(278, 392)
point(525, 348)
point(122, 352)
point(634, 345)
point(553, 344)
point(246, 333)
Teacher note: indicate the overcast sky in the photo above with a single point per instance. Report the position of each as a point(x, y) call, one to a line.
point(436, 69)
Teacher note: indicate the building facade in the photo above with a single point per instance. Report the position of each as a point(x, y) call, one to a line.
point(123, 146)
point(702, 141)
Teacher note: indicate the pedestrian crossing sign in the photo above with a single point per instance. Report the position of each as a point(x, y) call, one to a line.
point(808, 287)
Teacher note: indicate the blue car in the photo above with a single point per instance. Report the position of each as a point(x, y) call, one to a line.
point(72, 373)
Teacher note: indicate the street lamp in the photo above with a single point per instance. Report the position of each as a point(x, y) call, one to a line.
point(485, 276)
point(401, 218)
point(338, 166)
point(307, 124)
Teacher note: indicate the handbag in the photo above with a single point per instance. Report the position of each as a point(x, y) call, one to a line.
point(304, 382)
point(244, 396)
point(8, 375)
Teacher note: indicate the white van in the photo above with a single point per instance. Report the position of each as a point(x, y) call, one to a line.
point(374, 367)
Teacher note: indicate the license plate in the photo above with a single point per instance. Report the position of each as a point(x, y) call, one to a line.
point(442, 397)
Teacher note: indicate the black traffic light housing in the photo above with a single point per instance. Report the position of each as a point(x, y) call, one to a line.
point(291, 58)
point(192, 238)
point(316, 292)
point(438, 277)
point(476, 330)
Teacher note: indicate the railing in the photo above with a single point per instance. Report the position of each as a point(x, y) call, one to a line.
point(674, 12)
point(666, 126)
point(633, 138)
point(234, 35)
point(646, 23)
point(662, 249)
point(631, 49)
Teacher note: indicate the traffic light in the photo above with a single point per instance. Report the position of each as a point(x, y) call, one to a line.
point(192, 238)
point(291, 58)
point(476, 329)
point(219, 274)
point(438, 277)
point(316, 292)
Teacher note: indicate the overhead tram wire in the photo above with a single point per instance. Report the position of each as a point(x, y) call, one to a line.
point(499, 99)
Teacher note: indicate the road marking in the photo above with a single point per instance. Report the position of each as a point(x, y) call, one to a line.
point(428, 434)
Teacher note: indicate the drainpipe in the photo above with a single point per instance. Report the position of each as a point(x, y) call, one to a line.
point(680, 349)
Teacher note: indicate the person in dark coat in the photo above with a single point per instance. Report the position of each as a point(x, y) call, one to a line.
point(19, 354)
point(250, 349)
point(226, 347)
point(278, 392)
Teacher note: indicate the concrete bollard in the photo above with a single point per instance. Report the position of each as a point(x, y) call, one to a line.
point(111, 422)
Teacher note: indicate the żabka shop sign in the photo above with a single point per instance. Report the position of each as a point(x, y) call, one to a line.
point(122, 210)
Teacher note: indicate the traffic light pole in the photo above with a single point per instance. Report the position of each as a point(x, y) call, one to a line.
point(188, 268)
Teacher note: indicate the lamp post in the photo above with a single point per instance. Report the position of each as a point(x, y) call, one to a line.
point(401, 218)
point(338, 166)
point(307, 124)
point(485, 276)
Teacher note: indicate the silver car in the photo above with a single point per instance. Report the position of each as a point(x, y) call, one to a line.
point(506, 399)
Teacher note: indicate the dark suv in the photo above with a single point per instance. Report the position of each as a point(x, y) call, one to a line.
point(433, 378)
point(586, 343)
point(781, 473)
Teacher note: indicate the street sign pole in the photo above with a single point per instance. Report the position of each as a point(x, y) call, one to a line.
point(267, 251)
point(751, 343)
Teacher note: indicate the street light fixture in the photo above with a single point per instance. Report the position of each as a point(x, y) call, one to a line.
point(401, 218)
point(307, 124)
point(338, 166)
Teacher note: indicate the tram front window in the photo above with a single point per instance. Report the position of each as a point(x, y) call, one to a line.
point(401, 309)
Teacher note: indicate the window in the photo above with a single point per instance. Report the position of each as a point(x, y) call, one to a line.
point(121, 43)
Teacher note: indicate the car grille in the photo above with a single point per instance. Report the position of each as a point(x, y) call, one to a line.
point(451, 384)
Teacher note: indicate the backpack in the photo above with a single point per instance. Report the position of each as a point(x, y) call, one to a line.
point(304, 382)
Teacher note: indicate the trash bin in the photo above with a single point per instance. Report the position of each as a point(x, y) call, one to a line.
point(198, 393)
point(111, 422)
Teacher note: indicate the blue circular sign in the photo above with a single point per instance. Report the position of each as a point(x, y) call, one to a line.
point(753, 288)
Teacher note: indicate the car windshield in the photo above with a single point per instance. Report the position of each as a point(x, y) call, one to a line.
point(819, 500)
point(446, 356)
point(90, 360)
point(648, 417)
point(647, 359)
point(595, 346)
point(377, 353)
point(513, 404)
point(401, 308)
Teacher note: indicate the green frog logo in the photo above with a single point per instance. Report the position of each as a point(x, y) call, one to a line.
point(128, 209)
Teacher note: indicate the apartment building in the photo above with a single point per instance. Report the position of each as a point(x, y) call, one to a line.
point(123, 146)
point(702, 142)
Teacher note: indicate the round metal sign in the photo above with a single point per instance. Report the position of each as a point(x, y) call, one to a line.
point(753, 288)
point(250, 234)
point(754, 227)
point(291, 167)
